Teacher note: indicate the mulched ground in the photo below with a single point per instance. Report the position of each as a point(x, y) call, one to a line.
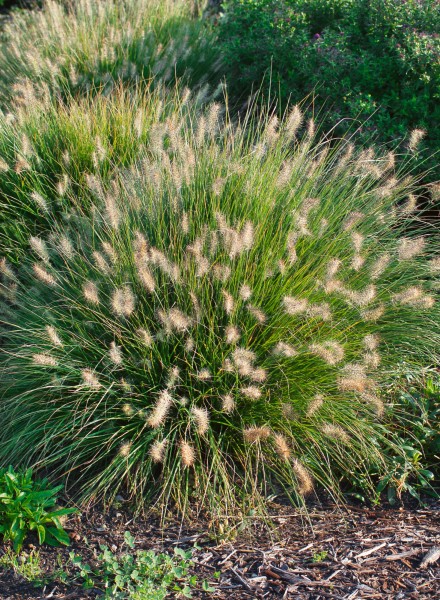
point(348, 553)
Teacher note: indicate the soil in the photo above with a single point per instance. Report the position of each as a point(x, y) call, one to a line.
point(342, 553)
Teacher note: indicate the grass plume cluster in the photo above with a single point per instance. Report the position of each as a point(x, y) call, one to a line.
point(219, 322)
point(84, 46)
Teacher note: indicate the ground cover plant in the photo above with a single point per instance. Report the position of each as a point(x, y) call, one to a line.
point(219, 326)
point(133, 41)
point(376, 62)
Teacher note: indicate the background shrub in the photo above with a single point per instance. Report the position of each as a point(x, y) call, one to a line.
point(221, 322)
point(376, 61)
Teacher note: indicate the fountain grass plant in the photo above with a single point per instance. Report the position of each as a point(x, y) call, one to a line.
point(218, 327)
point(79, 46)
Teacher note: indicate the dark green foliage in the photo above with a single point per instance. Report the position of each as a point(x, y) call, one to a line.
point(375, 61)
point(27, 505)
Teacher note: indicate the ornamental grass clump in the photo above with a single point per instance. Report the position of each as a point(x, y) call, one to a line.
point(219, 327)
point(88, 46)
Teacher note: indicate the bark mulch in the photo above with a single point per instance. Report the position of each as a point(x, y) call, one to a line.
point(350, 553)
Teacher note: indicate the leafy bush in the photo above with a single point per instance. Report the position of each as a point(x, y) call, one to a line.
point(27, 505)
point(132, 41)
point(48, 151)
point(144, 575)
point(375, 61)
point(221, 322)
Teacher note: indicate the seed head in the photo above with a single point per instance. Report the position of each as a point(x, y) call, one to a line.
point(101, 264)
point(375, 401)
point(294, 306)
point(123, 301)
point(43, 275)
point(354, 379)
point(315, 405)
point(127, 409)
point(53, 336)
point(160, 410)
point(251, 392)
point(89, 379)
point(331, 352)
point(124, 449)
point(293, 122)
point(245, 292)
point(379, 266)
point(283, 349)
point(321, 311)
point(157, 451)
point(415, 137)
point(228, 301)
point(232, 334)
point(44, 360)
point(256, 434)
point(409, 248)
point(281, 446)
point(304, 479)
point(115, 354)
point(187, 454)
point(352, 219)
point(371, 341)
point(336, 432)
point(257, 314)
point(90, 292)
point(39, 247)
point(201, 417)
point(5, 269)
point(228, 403)
point(40, 201)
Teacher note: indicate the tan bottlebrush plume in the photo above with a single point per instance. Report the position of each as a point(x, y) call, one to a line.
point(304, 479)
point(258, 375)
point(375, 401)
point(204, 375)
point(174, 320)
point(101, 264)
point(371, 341)
point(243, 355)
point(128, 410)
point(146, 277)
point(257, 313)
point(112, 212)
point(65, 247)
point(90, 292)
point(39, 247)
point(294, 306)
point(157, 451)
point(21, 165)
point(357, 262)
point(115, 354)
point(40, 201)
point(53, 336)
point(285, 174)
point(292, 239)
point(189, 344)
point(5, 269)
point(251, 392)
point(173, 377)
point(281, 446)
point(43, 275)
point(379, 266)
point(160, 410)
point(228, 403)
point(4, 167)
point(184, 223)
point(315, 405)
point(321, 311)
point(352, 220)
point(415, 297)
point(415, 137)
point(336, 432)
point(228, 302)
point(409, 248)
point(434, 265)
point(62, 185)
point(373, 314)
point(354, 379)
point(123, 301)
point(228, 366)
point(187, 454)
point(221, 272)
point(357, 240)
point(44, 360)
point(361, 297)
point(409, 206)
point(110, 252)
point(333, 267)
point(124, 449)
point(201, 418)
point(372, 360)
point(90, 379)
point(218, 186)
point(330, 351)
point(256, 434)
point(232, 334)
point(283, 349)
point(245, 292)
point(293, 122)
point(212, 121)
